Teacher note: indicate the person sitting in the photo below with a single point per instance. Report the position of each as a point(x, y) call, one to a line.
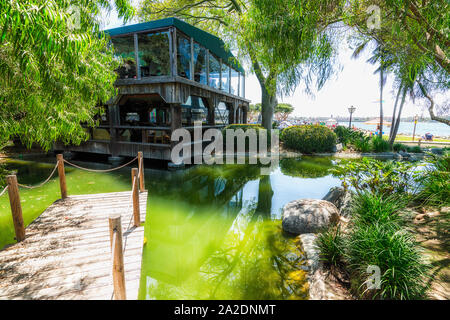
point(428, 137)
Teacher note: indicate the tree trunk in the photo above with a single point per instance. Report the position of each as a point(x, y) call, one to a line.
point(381, 102)
point(265, 195)
point(393, 114)
point(268, 100)
point(268, 104)
point(397, 123)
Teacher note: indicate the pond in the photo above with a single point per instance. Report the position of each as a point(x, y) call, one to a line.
point(211, 232)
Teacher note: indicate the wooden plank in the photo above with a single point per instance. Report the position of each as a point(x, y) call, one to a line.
point(66, 253)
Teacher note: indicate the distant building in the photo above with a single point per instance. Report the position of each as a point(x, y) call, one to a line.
point(173, 74)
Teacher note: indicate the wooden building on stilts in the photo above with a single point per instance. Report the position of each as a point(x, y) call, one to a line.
point(173, 75)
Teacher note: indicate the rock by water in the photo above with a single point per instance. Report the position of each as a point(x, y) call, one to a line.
point(308, 215)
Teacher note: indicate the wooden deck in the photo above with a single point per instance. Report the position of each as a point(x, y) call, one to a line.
point(67, 255)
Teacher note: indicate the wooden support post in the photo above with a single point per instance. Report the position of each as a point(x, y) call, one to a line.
point(16, 207)
point(118, 270)
point(244, 114)
point(135, 188)
point(62, 176)
point(141, 171)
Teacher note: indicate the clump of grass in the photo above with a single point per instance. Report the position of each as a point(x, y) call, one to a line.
point(362, 144)
point(331, 246)
point(415, 149)
point(403, 273)
point(371, 208)
point(376, 237)
point(379, 144)
point(399, 147)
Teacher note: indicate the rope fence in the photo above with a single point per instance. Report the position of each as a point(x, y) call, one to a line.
point(43, 183)
point(98, 170)
point(4, 191)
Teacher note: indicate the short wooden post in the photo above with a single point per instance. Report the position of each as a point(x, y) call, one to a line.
point(16, 207)
point(118, 270)
point(135, 188)
point(62, 176)
point(141, 171)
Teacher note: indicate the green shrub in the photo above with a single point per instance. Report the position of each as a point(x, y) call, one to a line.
point(415, 149)
point(362, 144)
point(245, 127)
point(343, 134)
point(331, 246)
point(399, 147)
point(309, 138)
point(356, 138)
point(379, 144)
point(404, 275)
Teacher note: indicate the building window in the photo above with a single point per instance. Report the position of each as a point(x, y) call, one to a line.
point(214, 72)
point(199, 63)
point(124, 49)
point(183, 56)
point(221, 114)
point(234, 82)
point(225, 78)
point(194, 110)
point(154, 57)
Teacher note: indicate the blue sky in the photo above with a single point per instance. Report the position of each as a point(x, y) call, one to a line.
point(356, 84)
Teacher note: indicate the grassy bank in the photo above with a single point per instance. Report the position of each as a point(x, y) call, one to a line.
point(381, 232)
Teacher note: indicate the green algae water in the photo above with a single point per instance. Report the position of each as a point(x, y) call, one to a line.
point(211, 232)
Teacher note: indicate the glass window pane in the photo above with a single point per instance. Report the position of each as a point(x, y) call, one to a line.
point(221, 114)
point(183, 56)
point(242, 84)
point(193, 110)
point(124, 48)
point(199, 63)
point(214, 71)
point(234, 81)
point(154, 57)
point(225, 77)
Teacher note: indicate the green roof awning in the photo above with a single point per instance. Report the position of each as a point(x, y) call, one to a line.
point(209, 41)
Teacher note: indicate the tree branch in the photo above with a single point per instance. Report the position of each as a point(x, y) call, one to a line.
point(431, 108)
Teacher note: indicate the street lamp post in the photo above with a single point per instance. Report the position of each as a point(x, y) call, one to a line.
point(351, 110)
point(416, 118)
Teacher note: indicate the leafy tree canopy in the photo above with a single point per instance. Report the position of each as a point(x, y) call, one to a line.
point(414, 40)
point(284, 41)
point(56, 68)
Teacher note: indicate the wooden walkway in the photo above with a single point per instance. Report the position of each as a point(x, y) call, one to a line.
point(66, 253)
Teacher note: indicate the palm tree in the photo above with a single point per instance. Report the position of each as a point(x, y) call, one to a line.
point(381, 56)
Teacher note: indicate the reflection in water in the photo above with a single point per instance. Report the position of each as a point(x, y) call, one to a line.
point(308, 167)
point(222, 237)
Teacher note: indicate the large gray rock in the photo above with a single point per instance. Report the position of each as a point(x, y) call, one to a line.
point(308, 215)
point(341, 199)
